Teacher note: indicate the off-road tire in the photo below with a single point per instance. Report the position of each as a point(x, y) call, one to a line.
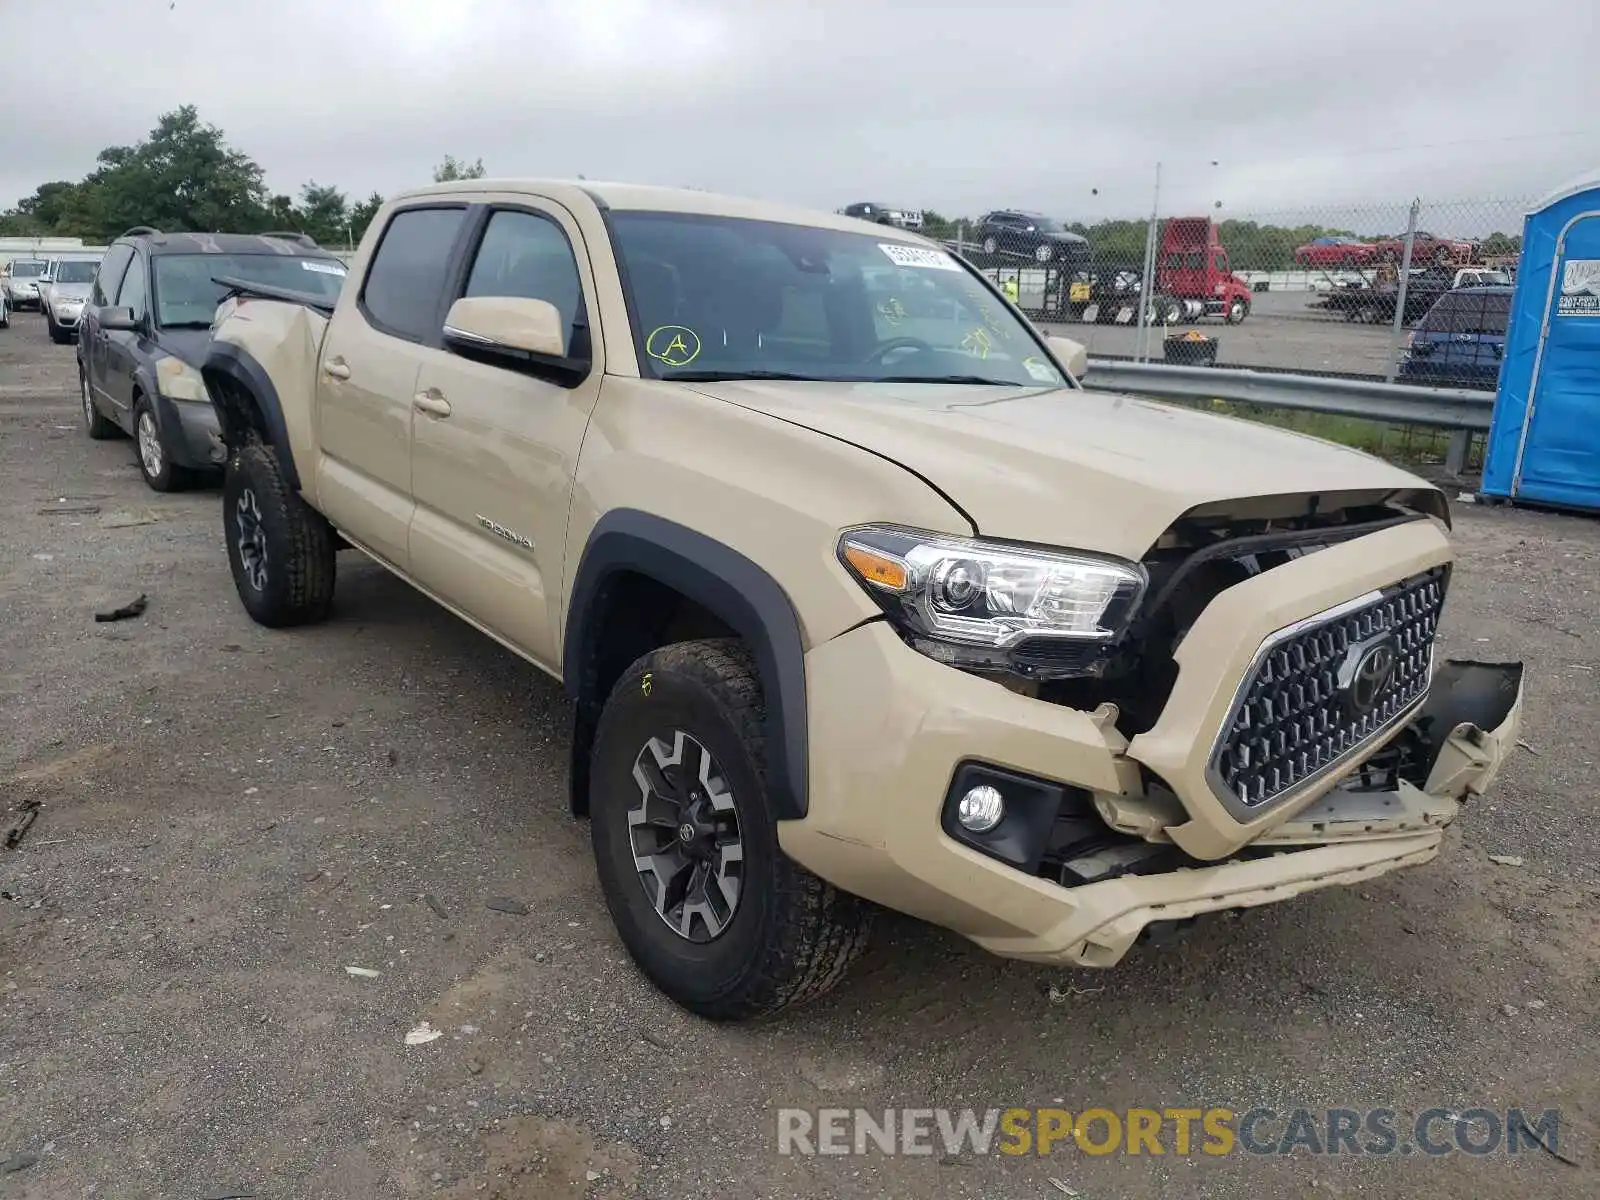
point(297, 585)
point(792, 936)
point(99, 427)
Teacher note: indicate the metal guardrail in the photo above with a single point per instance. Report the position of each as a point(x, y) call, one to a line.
point(1398, 404)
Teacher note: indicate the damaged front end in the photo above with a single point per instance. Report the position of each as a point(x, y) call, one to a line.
point(1133, 886)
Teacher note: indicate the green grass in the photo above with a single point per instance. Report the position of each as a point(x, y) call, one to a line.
point(1410, 445)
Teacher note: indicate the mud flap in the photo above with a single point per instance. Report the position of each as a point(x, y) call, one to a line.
point(1467, 727)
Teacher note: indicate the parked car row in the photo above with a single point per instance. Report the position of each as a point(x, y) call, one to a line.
point(1349, 253)
point(141, 317)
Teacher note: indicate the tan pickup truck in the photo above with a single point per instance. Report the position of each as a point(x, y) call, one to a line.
point(860, 595)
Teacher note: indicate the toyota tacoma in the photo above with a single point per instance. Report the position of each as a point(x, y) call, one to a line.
point(861, 597)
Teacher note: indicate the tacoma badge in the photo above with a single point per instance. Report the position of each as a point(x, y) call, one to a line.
point(500, 530)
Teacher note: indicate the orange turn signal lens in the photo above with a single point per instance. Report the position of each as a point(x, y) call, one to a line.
point(877, 568)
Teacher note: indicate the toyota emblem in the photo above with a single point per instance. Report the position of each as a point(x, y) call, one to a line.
point(1373, 671)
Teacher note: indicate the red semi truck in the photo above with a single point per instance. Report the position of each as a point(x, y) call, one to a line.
point(1193, 275)
point(1193, 280)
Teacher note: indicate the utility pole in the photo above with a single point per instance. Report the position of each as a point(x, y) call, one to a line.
point(1147, 280)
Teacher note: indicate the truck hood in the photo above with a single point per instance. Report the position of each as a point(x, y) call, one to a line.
point(1084, 469)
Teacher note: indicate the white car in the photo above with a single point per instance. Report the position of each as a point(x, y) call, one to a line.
point(19, 282)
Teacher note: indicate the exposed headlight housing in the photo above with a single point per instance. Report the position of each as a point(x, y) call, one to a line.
point(995, 607)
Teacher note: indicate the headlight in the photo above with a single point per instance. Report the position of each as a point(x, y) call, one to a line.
point(992, 607)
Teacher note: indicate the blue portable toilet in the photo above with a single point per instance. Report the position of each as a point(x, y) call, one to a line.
point(1544, 439)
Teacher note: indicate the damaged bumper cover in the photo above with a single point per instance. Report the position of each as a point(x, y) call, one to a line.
point(874, 825)
point(1467, 728)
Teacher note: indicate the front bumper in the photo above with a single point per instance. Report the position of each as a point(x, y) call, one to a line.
point(67, 318)
point(190, 433)
point(889, 729)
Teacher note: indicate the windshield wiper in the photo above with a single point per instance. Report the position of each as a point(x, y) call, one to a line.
point(972, 379)
point(709, 376)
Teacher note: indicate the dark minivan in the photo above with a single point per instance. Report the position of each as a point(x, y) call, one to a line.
point(147, 326)
point(1461, 341)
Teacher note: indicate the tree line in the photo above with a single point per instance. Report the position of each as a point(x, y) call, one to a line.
point(184, 176)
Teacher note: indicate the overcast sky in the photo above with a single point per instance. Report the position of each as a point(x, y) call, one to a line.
point(954, 106)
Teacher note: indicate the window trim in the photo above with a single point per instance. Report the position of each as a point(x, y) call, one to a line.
point(109, 298)
point(141, 262)
point(461, 270)
point(434, 338)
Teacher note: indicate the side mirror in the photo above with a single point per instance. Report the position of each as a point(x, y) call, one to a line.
point(1073, 355)
point(513, 332)
point(118, 320)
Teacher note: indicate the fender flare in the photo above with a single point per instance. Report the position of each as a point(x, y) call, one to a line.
point(725, 583)
point(225, 361)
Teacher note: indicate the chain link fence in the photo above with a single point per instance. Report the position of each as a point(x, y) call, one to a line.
point(1413, 292)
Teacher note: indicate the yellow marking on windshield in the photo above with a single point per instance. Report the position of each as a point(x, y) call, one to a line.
point(977, 343)
point(675, 345)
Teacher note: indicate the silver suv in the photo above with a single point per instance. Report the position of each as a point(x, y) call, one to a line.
point(63, 291)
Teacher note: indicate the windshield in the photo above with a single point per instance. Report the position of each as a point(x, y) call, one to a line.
point(76, 272)
point(722, 297)
point(26, 268)
point(187, 294)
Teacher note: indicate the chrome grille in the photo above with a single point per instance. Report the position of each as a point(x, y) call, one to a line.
point(1317, 692)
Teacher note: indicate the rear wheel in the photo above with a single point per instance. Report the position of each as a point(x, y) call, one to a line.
point(686, 843)
point(99, 428)
point(280, 550)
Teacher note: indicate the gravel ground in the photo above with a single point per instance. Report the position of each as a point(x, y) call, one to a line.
point(1281, 331)
point(233, 817)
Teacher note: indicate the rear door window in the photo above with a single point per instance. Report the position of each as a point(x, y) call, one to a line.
point(404, 289)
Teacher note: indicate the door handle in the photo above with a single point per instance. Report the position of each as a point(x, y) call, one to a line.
point(336, 369)
point(432, 403)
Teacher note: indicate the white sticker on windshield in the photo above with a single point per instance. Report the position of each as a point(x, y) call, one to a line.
point(321, 268)
point(916, 256)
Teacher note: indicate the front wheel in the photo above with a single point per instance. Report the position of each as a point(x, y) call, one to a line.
point(686, 843)
point(157, 467)
point(1238, 310)
point(280, 550)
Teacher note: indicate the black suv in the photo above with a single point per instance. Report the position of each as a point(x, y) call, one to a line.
point(146, 327)
point(1013, 233)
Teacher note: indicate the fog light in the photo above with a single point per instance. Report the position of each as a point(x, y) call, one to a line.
point(981, 809)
